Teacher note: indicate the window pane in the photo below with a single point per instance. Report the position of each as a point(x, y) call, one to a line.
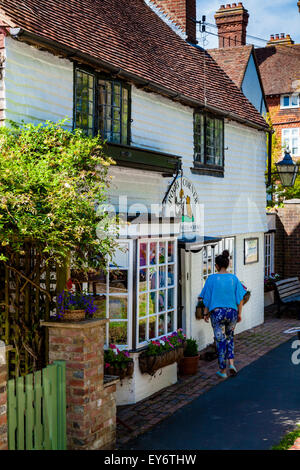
point(143, 254)
point(170, 298)
point(161, 325)
point(153, 278)
point(171, 252)
point(162, 301)
point(118, 333)
point(152, 327)
point(286, 101)
point(118, 281)
point(142, 330)
point(152, 303)
point(143, 305)
point(171, 325)
point(84, 101)
point(171, 278)
point(143, 280)
point(153, 248)
point(118, 307)
point(162, 276)
point(162, 253)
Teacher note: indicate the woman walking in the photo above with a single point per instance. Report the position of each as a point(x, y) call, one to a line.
point(223, 297)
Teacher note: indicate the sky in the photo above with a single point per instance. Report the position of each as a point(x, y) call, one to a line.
point(266, 17)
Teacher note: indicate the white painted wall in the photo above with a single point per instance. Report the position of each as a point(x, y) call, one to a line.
point(233, 204)
point(38, 85)
point(141, 386)
point(252, 276)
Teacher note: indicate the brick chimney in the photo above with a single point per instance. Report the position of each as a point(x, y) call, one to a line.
point(180, 12)
point(232, 21)
point(277, 39)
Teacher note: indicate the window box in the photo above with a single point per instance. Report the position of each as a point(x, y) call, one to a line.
point(151, 364)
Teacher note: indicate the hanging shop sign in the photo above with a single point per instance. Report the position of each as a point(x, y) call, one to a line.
point(182, 201)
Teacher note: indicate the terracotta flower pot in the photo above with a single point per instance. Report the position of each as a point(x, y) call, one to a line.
point(189, 365)
point(73, 315)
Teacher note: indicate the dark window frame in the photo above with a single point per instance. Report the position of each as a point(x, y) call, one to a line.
point(206, 167)
point(97, 76)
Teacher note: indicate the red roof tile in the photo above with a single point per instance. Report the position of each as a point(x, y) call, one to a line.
point(233, 60)
point(129, 35)
point(279, 68)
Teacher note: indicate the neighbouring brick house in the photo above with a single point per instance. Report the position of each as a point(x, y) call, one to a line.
point(279, 64)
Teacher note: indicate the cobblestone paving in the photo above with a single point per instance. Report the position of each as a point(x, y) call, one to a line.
point(249, 346)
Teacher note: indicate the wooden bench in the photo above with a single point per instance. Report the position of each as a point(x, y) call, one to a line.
point(288, 294)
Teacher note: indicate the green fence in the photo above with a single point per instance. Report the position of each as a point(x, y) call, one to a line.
point(37, 410)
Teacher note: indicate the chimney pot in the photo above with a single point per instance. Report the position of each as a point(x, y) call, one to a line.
point(282, 35)
point(277, 36)
point(181, 13)
point(232, 24)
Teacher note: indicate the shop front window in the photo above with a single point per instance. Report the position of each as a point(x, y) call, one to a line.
point(113, 294)
point(157, 289)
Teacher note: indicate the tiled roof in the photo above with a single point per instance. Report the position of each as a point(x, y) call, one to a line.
point(130, 36)
point(233, 60)
point(279, 68)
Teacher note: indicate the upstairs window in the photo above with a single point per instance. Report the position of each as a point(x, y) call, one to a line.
point(291, 140)
point(102, 105)
point(290, 101)
point(208, 141)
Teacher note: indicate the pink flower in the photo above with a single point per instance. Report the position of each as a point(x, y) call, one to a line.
point(112, 346)
point(107, 365)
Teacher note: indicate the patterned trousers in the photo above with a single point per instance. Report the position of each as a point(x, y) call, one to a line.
point(223, 321)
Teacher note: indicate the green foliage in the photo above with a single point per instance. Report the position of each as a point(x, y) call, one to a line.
point(191, 349)
point(276, 190)
point(50, 182)
point(288, 440)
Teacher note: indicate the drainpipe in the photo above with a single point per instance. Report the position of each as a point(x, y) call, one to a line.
point(270, 133)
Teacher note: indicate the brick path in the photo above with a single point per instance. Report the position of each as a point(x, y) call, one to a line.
point(249, 346)
point(296, 445)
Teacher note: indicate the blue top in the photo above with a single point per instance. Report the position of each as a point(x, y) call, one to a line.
point(222, 290)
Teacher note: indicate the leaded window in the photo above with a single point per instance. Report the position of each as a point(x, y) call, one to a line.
point(102, 105)
point(208, 140)
point(84, 101)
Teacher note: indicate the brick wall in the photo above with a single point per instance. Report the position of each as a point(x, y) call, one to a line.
point(181, 12)
point(2, 64)
point(287, 240)
point(91, 407)
point(232, 22)
point(282, 119)
point(3, 407)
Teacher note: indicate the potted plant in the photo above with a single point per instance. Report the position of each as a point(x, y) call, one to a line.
point(189, 363)
point(162, 352)
point(75, 306)
point(269, 282)
point(118, 363)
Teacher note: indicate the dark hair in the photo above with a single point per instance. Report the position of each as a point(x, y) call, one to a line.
point(222, 261)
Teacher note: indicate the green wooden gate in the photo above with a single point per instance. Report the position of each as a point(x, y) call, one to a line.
point(37, 410)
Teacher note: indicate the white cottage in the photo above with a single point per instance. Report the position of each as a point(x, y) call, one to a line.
point(171, 116)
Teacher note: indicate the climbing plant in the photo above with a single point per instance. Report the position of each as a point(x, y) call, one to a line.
point(53, 183)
